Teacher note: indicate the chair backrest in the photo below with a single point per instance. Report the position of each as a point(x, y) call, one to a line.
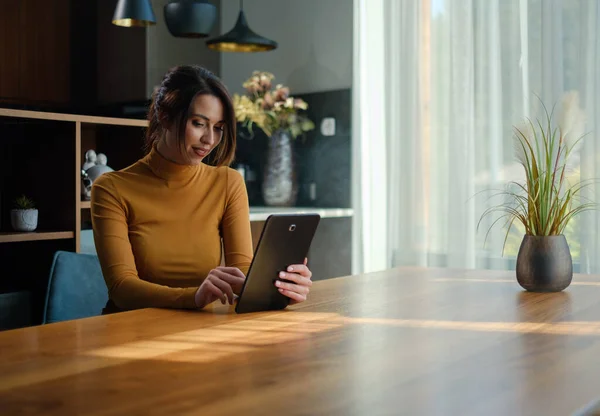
point(76, 288)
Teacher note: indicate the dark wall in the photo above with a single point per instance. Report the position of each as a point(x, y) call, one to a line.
point(324, 161)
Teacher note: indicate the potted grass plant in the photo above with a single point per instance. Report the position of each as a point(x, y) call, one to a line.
point(24, 216)
point(547, 200)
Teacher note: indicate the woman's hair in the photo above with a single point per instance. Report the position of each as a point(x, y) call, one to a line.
point(171, 106)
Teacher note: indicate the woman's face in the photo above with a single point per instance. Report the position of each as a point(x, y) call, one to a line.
point(203, 131)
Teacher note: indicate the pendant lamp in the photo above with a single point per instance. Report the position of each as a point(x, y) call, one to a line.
point(190, 18)
point(130, 13)
point(241, 38)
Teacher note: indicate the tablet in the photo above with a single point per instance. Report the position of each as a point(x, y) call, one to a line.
point(285, 240)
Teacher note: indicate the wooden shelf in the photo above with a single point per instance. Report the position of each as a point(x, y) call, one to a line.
point(41, 115)
point(86, 204)
point(13, 237)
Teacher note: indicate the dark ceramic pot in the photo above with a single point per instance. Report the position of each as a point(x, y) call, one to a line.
point(544, 263)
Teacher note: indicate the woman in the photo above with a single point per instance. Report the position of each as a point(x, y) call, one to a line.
point(158, 224)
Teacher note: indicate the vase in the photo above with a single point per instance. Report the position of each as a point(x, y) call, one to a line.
point(544, 263)
point(24, 219)
point(279, 179)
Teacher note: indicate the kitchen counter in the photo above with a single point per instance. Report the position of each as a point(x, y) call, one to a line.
point(261, 213)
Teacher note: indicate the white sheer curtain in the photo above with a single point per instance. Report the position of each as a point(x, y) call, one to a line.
point(439, 85)
point(369, 171)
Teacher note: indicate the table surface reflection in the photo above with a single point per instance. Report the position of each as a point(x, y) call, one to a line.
point(402, 341)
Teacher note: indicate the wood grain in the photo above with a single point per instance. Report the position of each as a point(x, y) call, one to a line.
point(403, 341)
point(9, 50)
point(44, 50)
point(14, 237)
point(42, 115)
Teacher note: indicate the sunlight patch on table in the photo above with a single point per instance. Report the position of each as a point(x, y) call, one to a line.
point(557, 328)
point(212, 343)
point(492, 280)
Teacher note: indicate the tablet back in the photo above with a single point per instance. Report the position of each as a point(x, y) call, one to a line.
point(285, 240)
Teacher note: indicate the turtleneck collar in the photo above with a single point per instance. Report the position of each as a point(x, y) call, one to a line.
point(168, 170)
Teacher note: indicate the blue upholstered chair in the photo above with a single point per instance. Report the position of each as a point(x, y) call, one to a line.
point(76, 288)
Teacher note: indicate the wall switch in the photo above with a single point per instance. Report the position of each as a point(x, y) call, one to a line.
point(312, 191)
point(328, 126)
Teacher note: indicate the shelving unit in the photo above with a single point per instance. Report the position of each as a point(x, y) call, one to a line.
point(15, 237)
point(41, 156)
point(112, 136)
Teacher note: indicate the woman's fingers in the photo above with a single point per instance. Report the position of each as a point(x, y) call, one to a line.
point(297, 284)
point(214, 290)
point(232, 279)
point(223, 286)
point(296, 297)
point(300, 269)
point(301, 289)
point(223, 282)
point(232, 271)
point(296, 278)
point(235, 282)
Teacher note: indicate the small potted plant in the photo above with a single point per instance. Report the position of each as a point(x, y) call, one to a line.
point(548, 199)
point(24, 217)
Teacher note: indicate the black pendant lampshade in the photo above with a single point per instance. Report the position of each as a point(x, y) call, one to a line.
point(241, 38)
point(190, 18)
point(130, 13)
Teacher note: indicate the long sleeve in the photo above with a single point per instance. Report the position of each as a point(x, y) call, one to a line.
point(125, 288)
point(235, 226)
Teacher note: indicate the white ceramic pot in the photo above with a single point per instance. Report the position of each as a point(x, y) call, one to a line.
point(24, 219)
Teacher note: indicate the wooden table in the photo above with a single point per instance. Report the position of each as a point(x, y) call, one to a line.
point(405, 341)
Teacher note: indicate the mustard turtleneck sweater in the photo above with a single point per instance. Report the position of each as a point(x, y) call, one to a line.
point(158, 228)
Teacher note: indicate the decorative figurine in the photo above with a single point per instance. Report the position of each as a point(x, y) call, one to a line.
point(90, 159)
point(93, 167)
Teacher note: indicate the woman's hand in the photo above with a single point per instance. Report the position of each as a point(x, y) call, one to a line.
point(298, 282)
point(221, 283)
